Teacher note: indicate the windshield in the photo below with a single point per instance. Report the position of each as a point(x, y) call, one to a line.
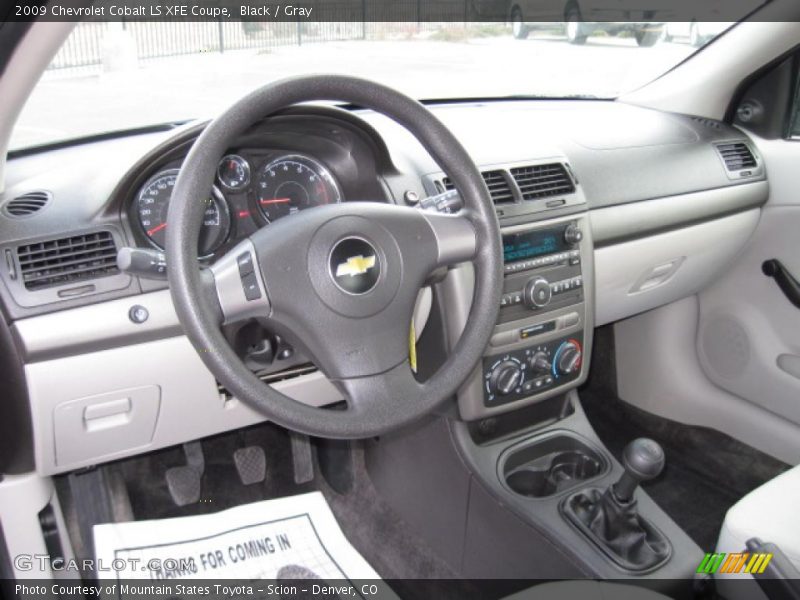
point(115, 76)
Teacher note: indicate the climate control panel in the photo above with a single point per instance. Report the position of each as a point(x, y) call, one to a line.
point(527, 371)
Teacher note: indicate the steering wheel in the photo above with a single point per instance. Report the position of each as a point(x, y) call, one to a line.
point(339, 281)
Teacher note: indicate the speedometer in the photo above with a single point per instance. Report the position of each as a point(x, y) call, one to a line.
point(292, 183)
point(152, 206)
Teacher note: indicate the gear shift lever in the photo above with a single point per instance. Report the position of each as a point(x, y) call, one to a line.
point(643, 460)
point(610, 517)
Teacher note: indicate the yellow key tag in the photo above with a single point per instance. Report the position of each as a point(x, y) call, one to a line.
point(412, 348)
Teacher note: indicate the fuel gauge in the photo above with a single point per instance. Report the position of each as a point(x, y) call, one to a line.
point(234, 172)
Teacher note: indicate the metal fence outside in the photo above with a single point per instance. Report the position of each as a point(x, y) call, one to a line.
point(87, 44)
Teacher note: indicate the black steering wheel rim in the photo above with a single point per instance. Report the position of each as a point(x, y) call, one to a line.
point(200, 314)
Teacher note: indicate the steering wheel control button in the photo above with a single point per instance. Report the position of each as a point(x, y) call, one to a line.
point(138, 314)
point(245, 262)
point(355, 266)
point(250, 285)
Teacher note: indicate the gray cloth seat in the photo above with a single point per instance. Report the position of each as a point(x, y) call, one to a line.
point(586, 590)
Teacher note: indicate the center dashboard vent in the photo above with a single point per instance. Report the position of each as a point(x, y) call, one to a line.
point(26, 205)
point(67, 260)
point(543, 181)
point(499, 188)
point(737, 156)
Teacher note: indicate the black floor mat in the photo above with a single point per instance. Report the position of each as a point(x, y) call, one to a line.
point(706, 472)
point(373, 528)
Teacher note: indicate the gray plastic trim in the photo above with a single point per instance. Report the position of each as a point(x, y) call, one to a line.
point(191, 405)
point(647, 272)
point(457, 296)
point(22, 497)
point(520, 207)
point(96, 327)
point(638, 219)
point(60, 293)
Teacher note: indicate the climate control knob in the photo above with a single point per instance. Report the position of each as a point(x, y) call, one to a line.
point(568, 357)
point(505, 377)
point(540, 362)
point(537, 293)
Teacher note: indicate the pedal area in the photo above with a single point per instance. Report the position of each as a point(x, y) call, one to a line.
point(292, 538)
point(243, 505)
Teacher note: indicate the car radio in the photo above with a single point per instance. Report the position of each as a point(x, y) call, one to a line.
point(542, 270)
point(538, 348)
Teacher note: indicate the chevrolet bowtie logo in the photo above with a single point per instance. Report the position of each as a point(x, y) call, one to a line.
point(355, 265)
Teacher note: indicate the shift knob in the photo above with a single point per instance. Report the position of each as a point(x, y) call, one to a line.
point(643, 460)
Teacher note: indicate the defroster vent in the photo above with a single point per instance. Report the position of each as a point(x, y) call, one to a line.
point(67, 260)
point(27, 204)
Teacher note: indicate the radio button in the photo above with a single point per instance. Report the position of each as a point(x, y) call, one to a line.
point(504, 338)
point(572, 235)
point(537, 293)
point(569, 320)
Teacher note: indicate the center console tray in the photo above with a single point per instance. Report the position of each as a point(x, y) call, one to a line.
point(544, 466)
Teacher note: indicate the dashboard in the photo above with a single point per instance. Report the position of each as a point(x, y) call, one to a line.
point(302, 166)
point(606, 210)
point(282, 184)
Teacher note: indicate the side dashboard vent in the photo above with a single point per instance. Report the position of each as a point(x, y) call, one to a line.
point(499, 188)
point(543, 181)
point(67, 260)
point(737, 156)
point(26, 204)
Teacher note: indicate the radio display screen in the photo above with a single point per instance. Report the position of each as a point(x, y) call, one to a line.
point(530, 244)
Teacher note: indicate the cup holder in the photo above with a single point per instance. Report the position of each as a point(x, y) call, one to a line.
point(551, 465)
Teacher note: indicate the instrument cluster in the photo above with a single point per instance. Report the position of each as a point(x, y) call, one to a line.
point(250, 191)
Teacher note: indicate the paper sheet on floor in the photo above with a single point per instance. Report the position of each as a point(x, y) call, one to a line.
point(285, 538)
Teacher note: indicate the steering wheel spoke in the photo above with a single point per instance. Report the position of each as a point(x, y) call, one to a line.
point(456, 238)
point(238, 284)
point(369, 397)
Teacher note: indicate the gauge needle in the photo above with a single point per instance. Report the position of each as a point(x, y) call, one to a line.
point(276, 201)
point(156, 229)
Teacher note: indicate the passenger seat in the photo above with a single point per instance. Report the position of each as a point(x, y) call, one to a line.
point(769, 513)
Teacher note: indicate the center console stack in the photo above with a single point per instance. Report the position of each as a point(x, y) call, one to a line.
point(542, 338)
point(552, 488)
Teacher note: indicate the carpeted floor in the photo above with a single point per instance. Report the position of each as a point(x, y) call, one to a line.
point(373, 528)
point(706, 471)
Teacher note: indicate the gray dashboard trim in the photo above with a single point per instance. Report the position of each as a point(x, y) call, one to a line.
point(628, 221)
point(95, 327)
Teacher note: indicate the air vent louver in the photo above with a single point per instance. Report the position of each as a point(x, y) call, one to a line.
point(542, 181)
point(26, 204)
point(737, 156)
point(497, 183)
point(67, 260)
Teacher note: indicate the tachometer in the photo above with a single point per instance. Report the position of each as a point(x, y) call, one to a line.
point(152, 206)
point(292, 183)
